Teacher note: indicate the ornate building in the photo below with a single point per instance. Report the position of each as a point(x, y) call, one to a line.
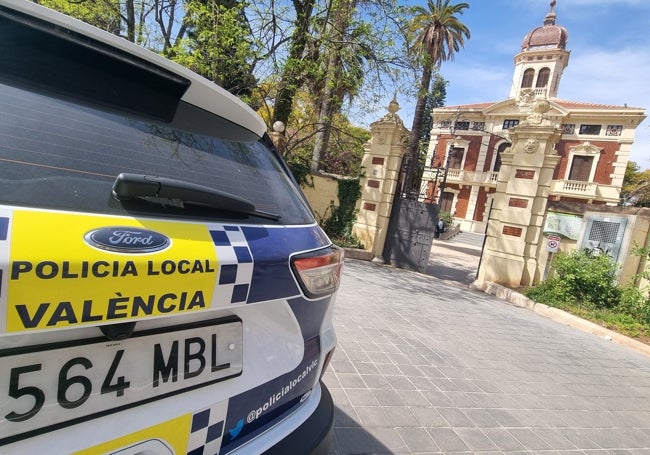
point(467, 141)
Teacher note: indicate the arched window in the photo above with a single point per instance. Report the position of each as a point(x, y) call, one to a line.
point(542, 77)
point(527, 81)
point(500, 150)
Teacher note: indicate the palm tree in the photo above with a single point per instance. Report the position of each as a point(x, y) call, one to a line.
point(438, 35)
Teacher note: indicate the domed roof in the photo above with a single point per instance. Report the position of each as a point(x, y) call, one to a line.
point(548, 36)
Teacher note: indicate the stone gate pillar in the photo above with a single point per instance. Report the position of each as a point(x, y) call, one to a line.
point(381, 161)
point(515, 226)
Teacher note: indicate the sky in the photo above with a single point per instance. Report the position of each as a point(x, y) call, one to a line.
point(609, 41)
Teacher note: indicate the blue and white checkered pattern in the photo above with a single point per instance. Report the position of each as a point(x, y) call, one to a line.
point(235, 265)
point(207, 430)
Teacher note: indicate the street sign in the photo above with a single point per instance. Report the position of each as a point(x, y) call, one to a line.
point(553, 243)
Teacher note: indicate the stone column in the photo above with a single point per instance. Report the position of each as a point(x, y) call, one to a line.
point(382, 160)
point(514, 231)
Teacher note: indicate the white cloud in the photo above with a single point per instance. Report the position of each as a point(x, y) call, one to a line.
point(616, 78)
point(607, 77)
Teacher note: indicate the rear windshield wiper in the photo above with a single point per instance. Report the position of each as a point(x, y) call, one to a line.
point(177, 192)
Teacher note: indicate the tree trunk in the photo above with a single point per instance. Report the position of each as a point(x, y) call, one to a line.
point(130, 21)
point(324, 123)
point(342, 11)
point(291, 74)
point(416, 130)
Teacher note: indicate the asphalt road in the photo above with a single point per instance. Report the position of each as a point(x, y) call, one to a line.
point(426, 365)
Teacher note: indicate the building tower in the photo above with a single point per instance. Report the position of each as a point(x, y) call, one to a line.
point(542, 59)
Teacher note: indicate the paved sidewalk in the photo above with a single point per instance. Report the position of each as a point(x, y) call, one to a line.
point(427, 365)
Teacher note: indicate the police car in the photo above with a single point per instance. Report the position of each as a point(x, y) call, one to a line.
point(164, 287)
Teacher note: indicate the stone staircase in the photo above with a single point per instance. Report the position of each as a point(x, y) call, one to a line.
point(468, 238)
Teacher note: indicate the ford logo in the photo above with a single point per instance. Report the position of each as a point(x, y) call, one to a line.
point(127, 240)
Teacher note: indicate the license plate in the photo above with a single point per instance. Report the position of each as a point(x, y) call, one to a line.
point(51, 386)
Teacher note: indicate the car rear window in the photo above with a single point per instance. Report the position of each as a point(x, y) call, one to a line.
point(61, 155)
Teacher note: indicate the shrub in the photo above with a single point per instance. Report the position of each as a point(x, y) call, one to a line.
point(339, 225)
point(634, 303)
point(580, 278)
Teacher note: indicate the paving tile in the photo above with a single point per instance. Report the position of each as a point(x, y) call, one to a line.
point(529, 439)
point(554, 439)
point(579, 438)
point(447, 440)
point(342, 366)
point(429, 417)
point(373, 416)
point(387, 369)
point(361, 397)
point(475, 439)
point(346, 418)
point(400, 382)
point(354, 440)
point(375, 381)
point(388, 397)
point(456, 418)
point(481, 418)
point(367, 367)
point(387, 440)
point(437, 398)
point(503, 439)
point(350, 381)
point(401, 416)
point(413, 398)
point(418, 440)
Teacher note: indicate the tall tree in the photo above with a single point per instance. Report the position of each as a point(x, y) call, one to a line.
point(103, 16)
point(292, 74)
point(636, 186)
point(341, 51)
point(218, 44)
point(438, 35)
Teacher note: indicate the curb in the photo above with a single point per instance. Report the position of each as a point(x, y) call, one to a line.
point(558, 315)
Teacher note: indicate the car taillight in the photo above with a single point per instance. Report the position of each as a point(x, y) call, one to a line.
point(319, 272)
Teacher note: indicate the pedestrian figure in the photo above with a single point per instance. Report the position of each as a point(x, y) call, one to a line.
point(440, 228)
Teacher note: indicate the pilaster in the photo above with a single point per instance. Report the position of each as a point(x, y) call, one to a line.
point(515, 226)
point(382, 161)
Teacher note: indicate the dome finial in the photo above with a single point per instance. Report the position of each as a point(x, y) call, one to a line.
point(550, 17)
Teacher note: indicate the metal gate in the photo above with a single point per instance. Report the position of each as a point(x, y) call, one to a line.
point(412, 223)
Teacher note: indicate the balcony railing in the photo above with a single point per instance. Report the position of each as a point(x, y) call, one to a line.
point(463, 177)
point(585, 190)
point(566, 188)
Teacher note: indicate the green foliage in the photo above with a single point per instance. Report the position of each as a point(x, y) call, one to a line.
point(339, 225)
point(345, 146)
point(635, 301)
point(580, 278)
point(636, 304)
point(636, 186)
point(584, 284)
point(218, 45)
point(102, 15)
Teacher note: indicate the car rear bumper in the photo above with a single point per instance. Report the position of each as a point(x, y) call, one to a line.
point(313, 437)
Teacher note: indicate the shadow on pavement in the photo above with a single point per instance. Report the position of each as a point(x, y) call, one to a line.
point(350, 437)
point(453, 262)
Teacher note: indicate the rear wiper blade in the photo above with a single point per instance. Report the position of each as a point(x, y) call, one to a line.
point(176, 192)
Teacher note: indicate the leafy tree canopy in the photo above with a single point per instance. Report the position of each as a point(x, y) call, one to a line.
point(636, 186)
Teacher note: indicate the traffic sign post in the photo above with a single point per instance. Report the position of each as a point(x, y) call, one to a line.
point(553, 243)
point(552, 246)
